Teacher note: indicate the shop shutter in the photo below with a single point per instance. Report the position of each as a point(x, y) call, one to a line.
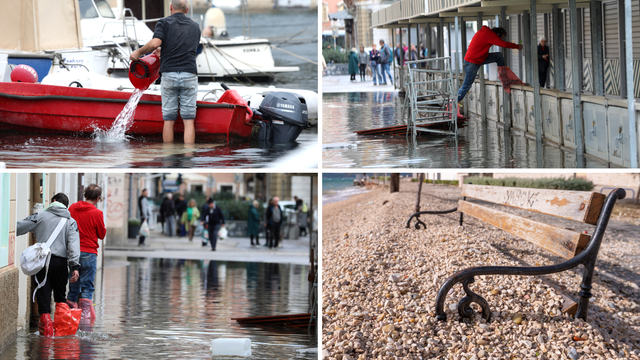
point(611, 39)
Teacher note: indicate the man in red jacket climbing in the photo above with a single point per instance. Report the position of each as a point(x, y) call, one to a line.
point(478, 54)
point(91, 227)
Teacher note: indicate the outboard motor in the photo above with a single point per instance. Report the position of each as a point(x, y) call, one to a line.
point(283, 117)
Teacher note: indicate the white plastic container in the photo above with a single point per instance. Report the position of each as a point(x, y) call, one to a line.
point(231, 347)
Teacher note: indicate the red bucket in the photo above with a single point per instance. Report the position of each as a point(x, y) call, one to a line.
point(144, 71)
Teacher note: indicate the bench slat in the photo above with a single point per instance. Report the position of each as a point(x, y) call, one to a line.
point(581, 206)
point(562, 242)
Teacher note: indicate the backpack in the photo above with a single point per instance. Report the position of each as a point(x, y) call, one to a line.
point(37, 256)
point(384, 55)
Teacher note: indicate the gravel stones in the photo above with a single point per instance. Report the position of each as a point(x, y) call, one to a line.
point(389, 276)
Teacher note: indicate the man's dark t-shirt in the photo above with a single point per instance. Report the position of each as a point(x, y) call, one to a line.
point(180, 38)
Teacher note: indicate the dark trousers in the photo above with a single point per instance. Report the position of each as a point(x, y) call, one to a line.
point(543, 77)
point(213, 235)
point(257, 239)
point(353, 77)
point(275, 235)
point(141, 238)
point(363, 68)
point(56, 281)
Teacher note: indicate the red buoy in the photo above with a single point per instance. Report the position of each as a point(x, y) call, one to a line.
point(144, 71)
point(24, 73)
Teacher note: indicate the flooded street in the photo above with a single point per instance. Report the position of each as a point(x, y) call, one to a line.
point(166, 308)
point(477, 146)
point(19, 150)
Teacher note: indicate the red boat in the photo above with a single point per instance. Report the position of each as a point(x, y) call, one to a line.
point(47, 108)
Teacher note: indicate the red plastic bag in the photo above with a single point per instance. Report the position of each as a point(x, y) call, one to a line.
point(66, 321)
point(508, 78)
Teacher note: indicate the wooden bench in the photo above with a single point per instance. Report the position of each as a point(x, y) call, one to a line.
point(577, 248)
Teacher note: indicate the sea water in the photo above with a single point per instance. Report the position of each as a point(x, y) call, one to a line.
point(117, 132)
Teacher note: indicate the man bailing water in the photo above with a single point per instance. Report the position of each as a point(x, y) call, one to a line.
point(179, 37)
point(478, 54)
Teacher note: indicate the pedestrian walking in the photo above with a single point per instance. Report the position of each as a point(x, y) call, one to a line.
point(267, 227)
point(302, 210)
point(145, 213)
point(190, 218)
point(398, 53)
point(478, 54)
point(179, 37)
point(65, 255)
point(168, 212)
point(215, 219)
point(274, 218)
point(181, 207)
point(363, 59)
point(353, 64)
point(253, 222)
point(203, 221)
point(543, 61)
point(385, 58)
point(91, 227)
point(412, 56)
point(374, 63)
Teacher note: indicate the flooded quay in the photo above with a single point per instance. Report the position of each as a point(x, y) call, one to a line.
point(171, 308)
point(20, 150)
point(477, 145)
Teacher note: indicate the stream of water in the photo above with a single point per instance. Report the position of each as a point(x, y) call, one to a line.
point(117, 132)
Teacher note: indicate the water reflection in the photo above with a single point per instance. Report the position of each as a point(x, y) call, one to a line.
point(19, 150)
point(166, 308)
point(478, 145)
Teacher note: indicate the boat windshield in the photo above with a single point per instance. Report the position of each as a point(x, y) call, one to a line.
point(89, 11)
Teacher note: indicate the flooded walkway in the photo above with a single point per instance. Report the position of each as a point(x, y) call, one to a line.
point(169, 308)
point(19, 150)
point(477, 146)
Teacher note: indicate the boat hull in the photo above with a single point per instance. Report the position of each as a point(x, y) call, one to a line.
point(48, 108)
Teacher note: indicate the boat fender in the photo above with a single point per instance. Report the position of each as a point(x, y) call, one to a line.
point(24, 73)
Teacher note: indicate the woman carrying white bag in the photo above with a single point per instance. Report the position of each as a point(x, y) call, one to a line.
point(53, 227)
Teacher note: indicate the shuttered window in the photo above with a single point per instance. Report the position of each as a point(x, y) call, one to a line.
point(635, 14)
point(540, 25)
point(586, 25)
point(611, 45)
point(567, 34)
point(513, 37)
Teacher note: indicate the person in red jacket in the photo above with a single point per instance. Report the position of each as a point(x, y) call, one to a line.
point(91, 227)
point(478, 54)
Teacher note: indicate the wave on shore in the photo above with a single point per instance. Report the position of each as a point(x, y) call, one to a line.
point(332, 196)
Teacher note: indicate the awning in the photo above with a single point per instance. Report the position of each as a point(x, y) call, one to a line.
point(340, 15)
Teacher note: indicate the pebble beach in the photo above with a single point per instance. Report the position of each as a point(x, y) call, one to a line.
point(380, 282)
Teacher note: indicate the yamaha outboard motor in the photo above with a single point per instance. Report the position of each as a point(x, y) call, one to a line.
point(284, 116)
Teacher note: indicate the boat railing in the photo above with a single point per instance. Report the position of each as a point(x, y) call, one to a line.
point(124, 27)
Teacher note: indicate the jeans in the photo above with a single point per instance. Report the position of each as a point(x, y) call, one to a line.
point(471, 70)
point(84, 286)
point(213, 235)
point(385, 68)
point(179, 90)
point(375, 72)
point(169, 225)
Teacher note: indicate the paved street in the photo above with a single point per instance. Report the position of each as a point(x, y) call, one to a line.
point(230, 249)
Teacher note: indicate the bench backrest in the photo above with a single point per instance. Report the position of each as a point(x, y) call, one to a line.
point(580, 206)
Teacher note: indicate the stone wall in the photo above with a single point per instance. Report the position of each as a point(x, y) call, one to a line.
point(8, 305)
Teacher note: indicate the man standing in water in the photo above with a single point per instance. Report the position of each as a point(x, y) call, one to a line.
point(91, 227)
point(179, 37)
point(478, 54)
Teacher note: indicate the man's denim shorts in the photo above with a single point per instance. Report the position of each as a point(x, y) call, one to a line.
point(179, 88)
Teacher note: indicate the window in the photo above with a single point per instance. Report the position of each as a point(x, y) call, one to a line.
point(87, 10)
point(197, 189)
point(226, 188)
point(105, 9)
